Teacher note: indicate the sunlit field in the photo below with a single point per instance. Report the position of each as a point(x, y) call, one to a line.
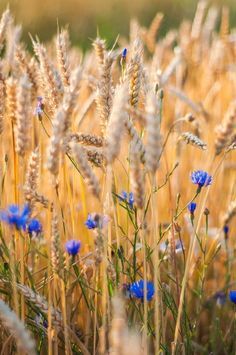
point(118, 190)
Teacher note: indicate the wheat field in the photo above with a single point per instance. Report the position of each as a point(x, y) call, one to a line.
point(118, 191)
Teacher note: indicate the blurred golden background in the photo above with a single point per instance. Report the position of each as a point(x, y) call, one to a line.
point(109, 17)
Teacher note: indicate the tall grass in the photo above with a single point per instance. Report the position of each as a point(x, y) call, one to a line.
point(118, 191)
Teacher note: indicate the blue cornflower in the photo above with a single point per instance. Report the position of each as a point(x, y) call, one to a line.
point(131, 200)
point(191, 207)
point(232, 296)
point(137, 290)
point(220, 298)
point(201, 178)
point(124, 53)
point(226, 229)
point(14, 217)
point(96, 220)
point(73, 247)
point(123, 196)
point(34, 227)
point(128, 198)
point(91, 223)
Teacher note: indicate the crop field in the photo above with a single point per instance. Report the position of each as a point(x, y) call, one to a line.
point(118, 190)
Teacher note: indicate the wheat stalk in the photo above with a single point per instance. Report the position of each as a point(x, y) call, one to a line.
point(137, 178)
point(2, 102)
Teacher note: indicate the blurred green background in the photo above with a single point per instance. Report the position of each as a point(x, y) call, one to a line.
point(110, 17)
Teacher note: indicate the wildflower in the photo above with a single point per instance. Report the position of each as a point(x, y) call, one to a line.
point(34, 227)
point(123, 59)
point(137, 290)
point(232, 296)
point(226, 231)
point(201, 178)
point(95, 220)
point(91, 223)
point(179, 247)
point(72, 247)
point(14, 217)
point(220, 298)
point(41, 321)
point(128, 198)
point(124, 53)
point(39, 107)
point(191, 207)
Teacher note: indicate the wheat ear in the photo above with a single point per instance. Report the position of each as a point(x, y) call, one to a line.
point(87, 139)
point(134, 72)
point(225, 131)
point(40, 302)
point(100, 50)
point(62, 45)
point(152, 32)
point(11, 99)
point(56, 253)
point(153, 146)
point(105, 91)
point(190, 138)
point(23, 113)
point(32, 177)
point(90, 177)
point(135, 138)
point(26, 68)
point(4, 23)
point(55, 143)
point(48, 79)
point(17, 328)
point(115, 126)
